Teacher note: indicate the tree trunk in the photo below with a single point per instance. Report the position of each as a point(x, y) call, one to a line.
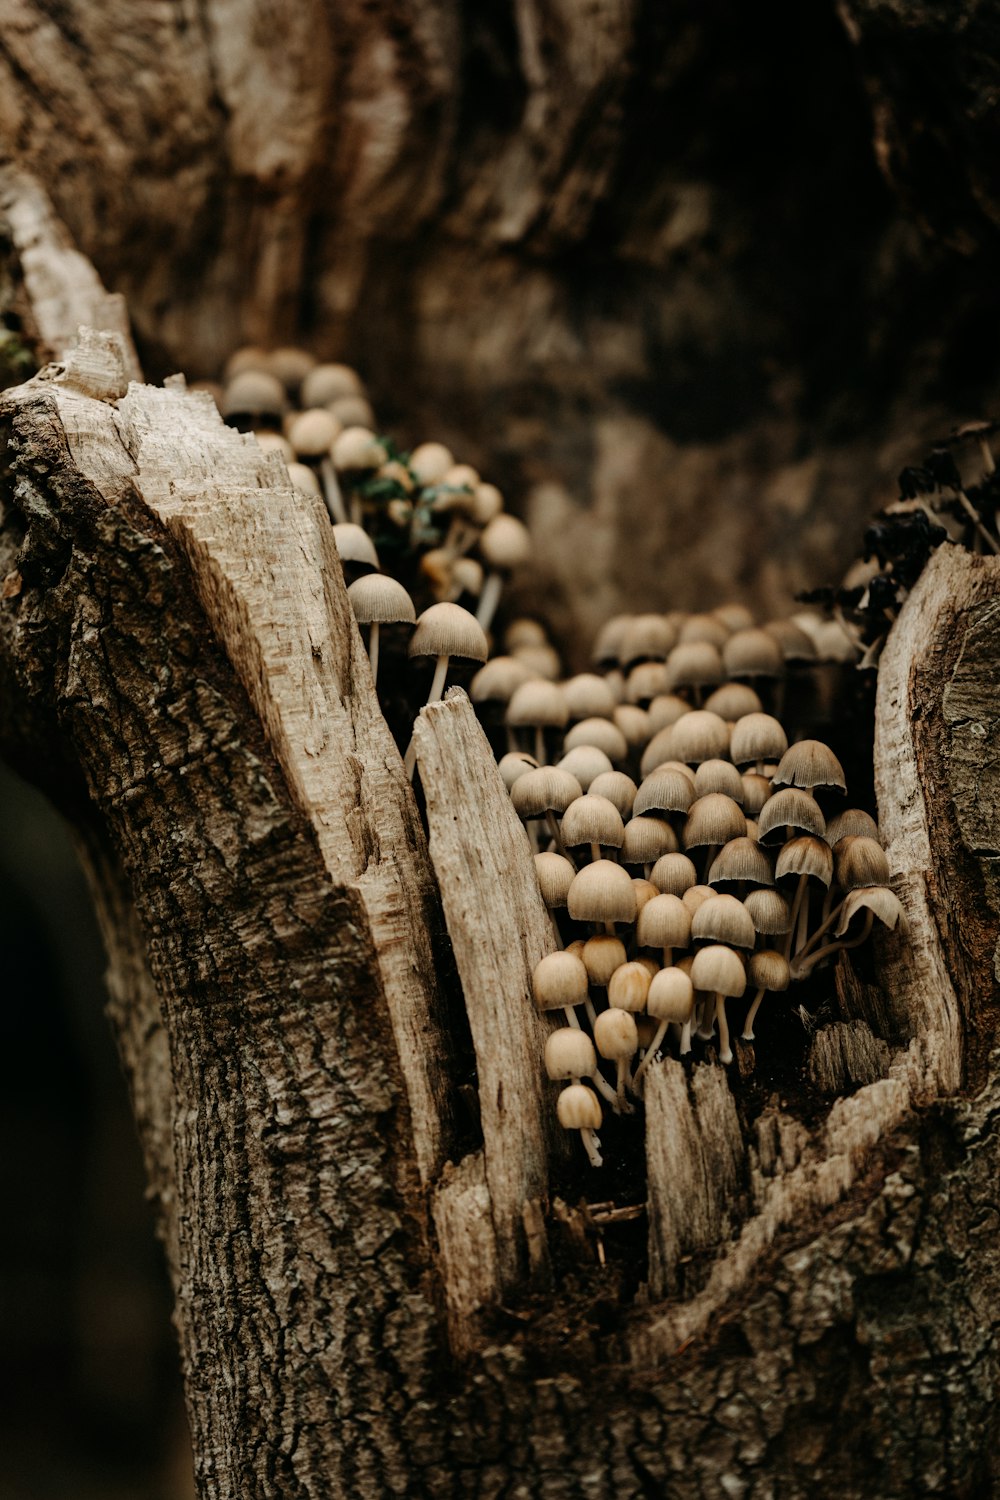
point(356, 1316)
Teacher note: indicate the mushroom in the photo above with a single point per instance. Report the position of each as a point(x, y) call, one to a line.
point(602, 734)
point(618, 788)
point(569, 1053)
point(617, 1040)
point(700, 735)
point(670, 1001)
point(876, 902)
point(505, 544)
point(718, 776)
point(769, 971)
point(674, 874)
point(354, 545)
point(329, 382)
point(538, 705)
point(757, 739)
point(741, 861)
point(810, 764)
point(444, 631)
point(376, 601)
point(720, 971)
point(665, 709)
point(578, 1108)
point(602, 893)
point(559, 982)
point(733, 701)
point(545, 792)
point(430, 462)
point(628, 986)
point(586, 763)
point(587, 695)
point(514, 765)
point(664, 923)
point(646, 840)
point(723, 919)
point(594, 821)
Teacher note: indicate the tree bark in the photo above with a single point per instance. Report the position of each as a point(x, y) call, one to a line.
point(848, 1286)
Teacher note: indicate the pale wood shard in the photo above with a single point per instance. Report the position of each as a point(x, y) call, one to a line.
point(63, 288)
point(467, 1247)
point(695, 1158)
point(499, 929)
point(269, 579)
point(846, 1054)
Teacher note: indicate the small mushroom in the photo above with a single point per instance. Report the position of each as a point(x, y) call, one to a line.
point(770, 972)
point(376, 601)
point(504, 545)
point(578, 1108)
point(670, 1001)
point(444, 631)
point(720, 971)
point(617, 1040)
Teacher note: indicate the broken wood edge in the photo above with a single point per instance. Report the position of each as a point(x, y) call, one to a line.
point(64, 291)
point(830, 1160)
point(499, 929)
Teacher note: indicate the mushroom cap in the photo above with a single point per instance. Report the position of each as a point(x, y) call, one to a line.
point(488, 503)
point(312, 433)
point(673, 874)
point(537, 703)
point(467, 575)
point(588, 696)
point(328, 382)
point(303, 479)
point(602, 892)
point(498, 680)
point(770, 970)
point(246, 357)
point(430, 462)
point(757, 737)
point(723, 919)
point(704, 628)
point(741, 860)
point(695, 896)
point(607, 643)
point(714, 819)
point(769, 911)
point(514, 765)
point(698, 736)
point(671, 996)
point(462, 477)
point(352, 411)
point(646, 680)
point(790, 808)
point(449, 630)
point(274, 442)
point(695, 664)
point(878, 899)
point(795, 644)
point(633, 722)
point(834, 644)
point(592, 820)
point(253, 393)
point(290, 364)
point(664, 790)
point(646, 636)
point(615, 1034)
point(542, 659)
point(853, 820)
point(357, 448)
point(524, 632)
point(354, 544)
point(628, 987)
point(376, 598)
point(718, 776)
point(860, 861)
point(646, 839)
point(600, 733)
point(586, 763)
point(753, 653)
point(756, 790)
point(569, 1053)
point(806, 855)
point(733, 701)
point(810, 763)
point(719, 970)
point(558, 980)
point(545, 789)
point(618, 788)
point(664, 922)
point(664, 710)
point(555, 876)
point(578, 1108)
point(645, 891)
point(734, 616)
point(602, 955)
point(505, 543)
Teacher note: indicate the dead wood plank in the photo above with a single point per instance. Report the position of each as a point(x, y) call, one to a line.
point(499, 928)
point(468, 1248)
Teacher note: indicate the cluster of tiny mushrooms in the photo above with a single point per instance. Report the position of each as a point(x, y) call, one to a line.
point(693, 855)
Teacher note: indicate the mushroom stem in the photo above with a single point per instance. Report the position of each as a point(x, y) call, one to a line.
point(802, 935)
point(373, 649)
point(751, 1013)
point(603, 1087)
point(592, 1146)
point(706, 1027)
point(356, 513)
point(595, 852)
point(489, 599)
point(588, 1006)
point(556, 832)
point(685, 1046)
point(725, 1051)
point(827, 921)
point(540, 754)
point(571, 1019)
point(971, 512)
point(796, 907)
point(331, 491)
point(800, 968)
point(651, 1051)
point(624, 1081)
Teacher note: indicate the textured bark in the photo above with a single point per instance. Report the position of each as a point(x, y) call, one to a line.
point(634, 261)
point(846, 1282)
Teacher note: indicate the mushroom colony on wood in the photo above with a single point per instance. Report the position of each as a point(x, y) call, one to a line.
point(691, 833)
point(694, 861)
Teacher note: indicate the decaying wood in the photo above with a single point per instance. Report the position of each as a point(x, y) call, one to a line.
point(845, 1054)
point(165, 653)
point(499, 929)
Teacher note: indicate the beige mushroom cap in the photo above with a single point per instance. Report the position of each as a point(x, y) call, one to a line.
point(723, 919)
point(329, 382)
point(670, 996)
point(664, 922)
point(558, 980)
point(378, 599)
point(357, 448)
point(615, 1034)
point(602, 892)
point(719, 970)
point(505, 543)
point(555, 875)
point(578, 1108)
point(449, 630)
point(354, 544)
point(569, 1053)
point(430, 462)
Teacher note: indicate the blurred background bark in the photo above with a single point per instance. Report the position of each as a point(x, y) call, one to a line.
point(690, 281)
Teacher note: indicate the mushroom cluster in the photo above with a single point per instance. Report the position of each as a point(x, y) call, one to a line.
point(691, 858)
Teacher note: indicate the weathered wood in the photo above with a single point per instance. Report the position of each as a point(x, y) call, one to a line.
point(499, 928)
point(63, 289)
point(463, 1221)
point(846, 1054)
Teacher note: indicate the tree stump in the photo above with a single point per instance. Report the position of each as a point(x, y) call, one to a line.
point(373, 1298)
